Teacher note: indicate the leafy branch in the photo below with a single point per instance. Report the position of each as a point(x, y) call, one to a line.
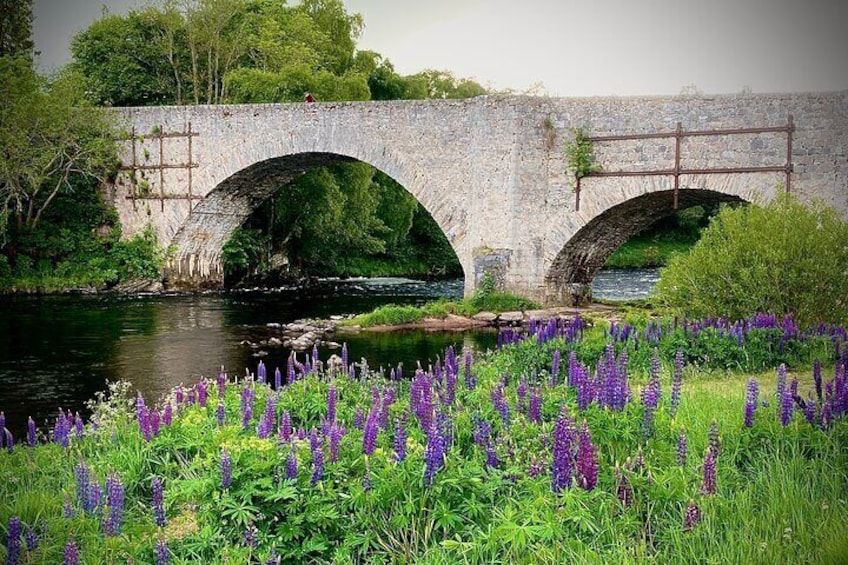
point(580, 153)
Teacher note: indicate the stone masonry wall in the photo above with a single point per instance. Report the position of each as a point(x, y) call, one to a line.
point(491, 170)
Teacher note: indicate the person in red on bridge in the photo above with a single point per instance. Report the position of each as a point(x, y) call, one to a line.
point(308, 98)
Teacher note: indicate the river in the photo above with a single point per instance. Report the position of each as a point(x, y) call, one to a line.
point(58, 351)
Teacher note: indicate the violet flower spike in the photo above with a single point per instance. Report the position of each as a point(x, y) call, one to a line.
point(751, 401)
point(226, 469)
point(291, 464)
point(691, 517)
point(13, 541)
point(400, 440)
point(161, 551)
point(682, 448)
point(158, 502)
point(708, 483)
point(71, 556)
point(587, 460)
point(317, 457)
point(562, 465)
point(115, 500)
point(31, 435)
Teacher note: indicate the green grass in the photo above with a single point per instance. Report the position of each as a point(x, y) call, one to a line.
point(646, 252)
point(394, 315)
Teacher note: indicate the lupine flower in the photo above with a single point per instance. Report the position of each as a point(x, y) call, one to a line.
point(708, 483)
point(158, 502)
point(13, 542)
point(470, 379)
point(278, 379)
point(273, 558)
point(222, 383)
point(389, 397)
point(331, 403)
point(317, 457)
point(359, 419)
point(369, 434)
point(522, 394)
point(71, 554)
point(9, 439)
point(31, 539)
point(555, 368)
point(344, 359)
point(714, 439)
point(168, 414)
point(691, 517)
point(500, 404)
point(161, 551)
point(95, 497)
point(677, 380)
point(285, 426)
point(202, 392)
point(624, 491)
point(154, 424)
point(115, 500)
point(817, 378)
point(226, 469)
point(682, 448)
point(220, 413)
point(537, 467)
point(810, 410)
point(247, 398)
point(3, 428)
point(574, 368)
point(433, 455)
point(78, 425)
point(335, 434)
point(250, 536)
point(535, 409)
point(587, 460)
point(400, 439)
point(82, 476)
point(291, 464)
point(751, 401)
point(492, 461)
point(787, 406)
point(562, 465)
point(781, 382)
point(261, 373)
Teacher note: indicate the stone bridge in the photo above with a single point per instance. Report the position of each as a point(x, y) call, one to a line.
point(491, 171)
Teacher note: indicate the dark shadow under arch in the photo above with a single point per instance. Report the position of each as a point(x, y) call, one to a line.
point(571, 274)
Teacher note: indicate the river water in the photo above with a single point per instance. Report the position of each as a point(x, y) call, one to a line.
point(58, 351)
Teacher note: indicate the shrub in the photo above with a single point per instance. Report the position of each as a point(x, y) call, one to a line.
point(785, 258)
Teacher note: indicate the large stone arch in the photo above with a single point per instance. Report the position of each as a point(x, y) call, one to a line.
point(256, 172)
point(619, 210)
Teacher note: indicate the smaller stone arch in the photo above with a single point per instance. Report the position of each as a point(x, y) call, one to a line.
point(569, 279)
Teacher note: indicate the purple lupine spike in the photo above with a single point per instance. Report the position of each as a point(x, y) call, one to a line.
point(13, 541)
point(291, 376)
point(434, 456)
point(335, 435)
point(161, 551)
point(226, 469)
point(810, 410)
point(115, 500)
point(344, 359)
point(285, 427)
point(624, 491)
point(291, 464)
point(500, 404)
point(555, 368)
point(370, 431)
point(826, 415)
point(587, 460)
point(522, 395)
point(202, 392)
point(278, 379)
point(751, 400)
point(250, 536)
point(95, 497)
point(574, 368)
point(261, 373)
point(82, 476)
point(222, 383)
point(158, 502)
point(682, 448)
point(331, 403)
point(30, 539)
point(8, 439)
point(787, 406)
point(144, 423)
point(359, 419)
point(708, 482)
point(3, 427)
point(400, 439)
point(317, 457)
point(220, 413)
point(781, 382)
point(562, 465)
point(537, 467)
point(168, 414)
point(492, 461)
point(78, 425)
point(691, 517)
point(470, 379)
point(155, 422)
point(677, 380)
point(389, 397)
point(315, 356)
point(817, 378)
point(67, 509)
point(714, 440)
point(71, 556)
point(247, 398)
point(535, 409)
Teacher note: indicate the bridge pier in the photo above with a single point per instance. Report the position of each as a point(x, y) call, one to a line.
point(192, 272)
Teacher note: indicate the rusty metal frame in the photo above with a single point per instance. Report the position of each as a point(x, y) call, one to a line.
point(161, 166)
point(679, 134)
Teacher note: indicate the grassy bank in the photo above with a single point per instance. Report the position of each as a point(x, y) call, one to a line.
point(646, 252)
point(524, 455)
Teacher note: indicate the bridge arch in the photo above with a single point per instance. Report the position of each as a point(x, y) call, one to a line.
point(615, 218)
point(256, 172)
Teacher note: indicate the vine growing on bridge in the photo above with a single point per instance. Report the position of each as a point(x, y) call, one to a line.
point(580, 154)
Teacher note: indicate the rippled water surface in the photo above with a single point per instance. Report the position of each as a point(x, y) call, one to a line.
point(60, 350)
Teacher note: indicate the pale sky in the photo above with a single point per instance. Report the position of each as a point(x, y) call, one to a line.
point(576, 48)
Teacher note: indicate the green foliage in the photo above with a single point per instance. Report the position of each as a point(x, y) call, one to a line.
point(785, 258)
point(16, 28)
point(245, 250)
point(780, 496)
point(580, 154)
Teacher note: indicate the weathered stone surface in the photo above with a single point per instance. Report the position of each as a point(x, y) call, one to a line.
point(511, 317)
point(491, 171)
point(488, 317)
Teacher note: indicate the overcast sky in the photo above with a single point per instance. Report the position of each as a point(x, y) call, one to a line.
point(576, 48)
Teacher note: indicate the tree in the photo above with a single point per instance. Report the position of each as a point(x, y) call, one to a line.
point(783, 258)
point(48, 134)
point(16, 28)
